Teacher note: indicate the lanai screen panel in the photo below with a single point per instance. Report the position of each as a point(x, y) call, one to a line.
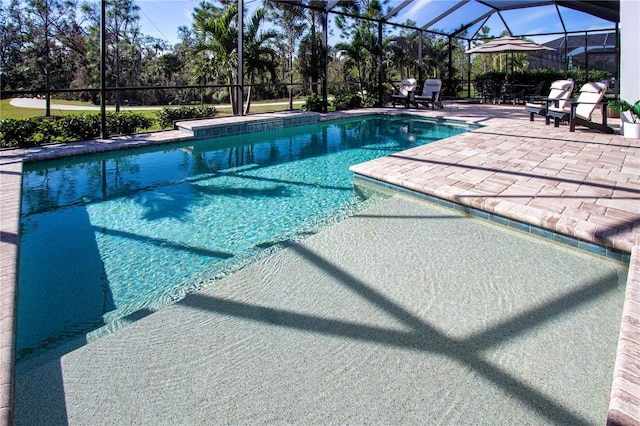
point(464, 18)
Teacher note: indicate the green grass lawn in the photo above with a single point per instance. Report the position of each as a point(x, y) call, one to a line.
point(9, 111)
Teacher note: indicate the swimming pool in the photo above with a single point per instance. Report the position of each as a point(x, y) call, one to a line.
point(119, 234)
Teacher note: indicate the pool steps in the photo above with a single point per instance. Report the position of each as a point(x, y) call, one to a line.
point(608, 252)
point(228, 126)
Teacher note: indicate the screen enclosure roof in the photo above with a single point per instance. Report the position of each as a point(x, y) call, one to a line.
point(465, 18)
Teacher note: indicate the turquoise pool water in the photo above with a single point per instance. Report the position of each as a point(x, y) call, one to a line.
point(119, 234)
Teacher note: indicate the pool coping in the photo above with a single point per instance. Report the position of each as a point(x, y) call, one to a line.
point(625, 396)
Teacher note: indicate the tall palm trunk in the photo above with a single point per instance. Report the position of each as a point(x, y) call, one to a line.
point(232, 94)
point(248, 104)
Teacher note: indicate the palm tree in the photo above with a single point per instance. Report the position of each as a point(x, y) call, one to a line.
point(309, 61)
point(217, 37)
point(358, 54)
point(364, 49)
point(259, 55)
point(403, 53)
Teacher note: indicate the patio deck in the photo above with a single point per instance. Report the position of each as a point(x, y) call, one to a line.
point(584, 185)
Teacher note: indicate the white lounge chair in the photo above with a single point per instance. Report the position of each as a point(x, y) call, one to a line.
point(430, 94)
point(558, 97)
point(405, 92)
point(579, 111)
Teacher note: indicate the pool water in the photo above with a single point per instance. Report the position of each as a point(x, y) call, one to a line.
point(109, 237)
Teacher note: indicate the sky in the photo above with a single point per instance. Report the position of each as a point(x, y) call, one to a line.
point(161, 18)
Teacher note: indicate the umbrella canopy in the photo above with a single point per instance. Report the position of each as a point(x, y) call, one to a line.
point(508, 44)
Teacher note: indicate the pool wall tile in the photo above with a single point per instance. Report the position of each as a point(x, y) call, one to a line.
point(570, 241)
point(519, 225)
point(593, 248)
point(502, 220)
point(624, 406)
point(499, 219)
point(541, 232)
point(249, 124)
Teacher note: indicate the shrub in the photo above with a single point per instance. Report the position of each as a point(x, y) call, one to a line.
point(72, 128)
point(580, 76)
point(546, 75)
point(313, 103)
point(168, 115)
point(80, 126)
point(370, 101)
point(13, 131)
point(126, 123)
point(346, 100)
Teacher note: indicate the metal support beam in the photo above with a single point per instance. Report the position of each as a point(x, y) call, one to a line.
point(240, 69)
point(566, 56)
point(564, 27)
point(314, 55)
point(380, 68)
point(505, 24)
point(420, 58)
point(325, 59)
point(397, 9)
point(47, 62)
point(103, 70)
point(331, 5)
point(616, 86)
point(586, 55)
point(444, 14)
point(468, 70)
point(450, 71)
point(464, 28)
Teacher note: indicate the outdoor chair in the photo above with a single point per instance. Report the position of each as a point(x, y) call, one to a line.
point(405, 92)
point(430, 94)
point(579, 111)
point(491, 91)
point(558, 98)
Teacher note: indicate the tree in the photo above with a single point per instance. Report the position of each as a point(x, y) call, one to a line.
point(35, 49)
point(13, 64)
point(309, 62)
point(259, 55)
point(482, 63)
point(216, 35)
point(123, 58)
point(364, 49)
point(292, 21)
point(358, 54)
point(299, 25)
point(402, 53)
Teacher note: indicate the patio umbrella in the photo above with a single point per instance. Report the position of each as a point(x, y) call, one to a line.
point(509, 44)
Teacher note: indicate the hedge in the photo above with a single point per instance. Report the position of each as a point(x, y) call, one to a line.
point(168, 115)
point(71, 128)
